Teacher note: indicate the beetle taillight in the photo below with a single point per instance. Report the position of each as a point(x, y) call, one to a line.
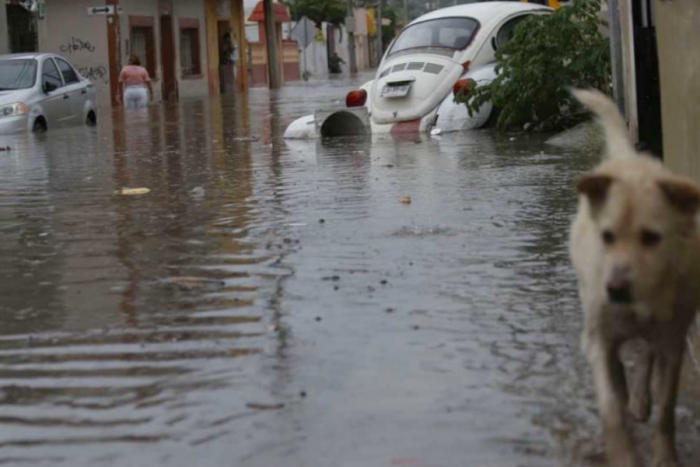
point(356, 98)
point(462, 86)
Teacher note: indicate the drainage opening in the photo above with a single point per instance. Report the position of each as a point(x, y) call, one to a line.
point(343, 124)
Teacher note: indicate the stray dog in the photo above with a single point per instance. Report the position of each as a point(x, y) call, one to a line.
point(635, 247)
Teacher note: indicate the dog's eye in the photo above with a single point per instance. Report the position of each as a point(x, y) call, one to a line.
point(608, 237)
point(649, 238)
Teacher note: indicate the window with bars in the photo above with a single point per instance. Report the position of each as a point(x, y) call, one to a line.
point(190, 61)
point(142, 43)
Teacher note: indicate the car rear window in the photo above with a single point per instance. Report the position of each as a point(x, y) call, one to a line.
point(17, 74)
point(69, 76)
point(446, 33)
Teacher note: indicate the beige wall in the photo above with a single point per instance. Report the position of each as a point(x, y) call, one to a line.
point(69, 31)
point(678, 40)
point(4, 46)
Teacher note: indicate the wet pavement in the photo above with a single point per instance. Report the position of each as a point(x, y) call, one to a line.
point(273, 303)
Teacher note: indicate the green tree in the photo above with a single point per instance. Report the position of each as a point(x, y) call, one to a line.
point(319, 11)
point(547, 55)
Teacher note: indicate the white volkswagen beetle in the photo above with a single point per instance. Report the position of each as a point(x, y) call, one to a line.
point(433, 58)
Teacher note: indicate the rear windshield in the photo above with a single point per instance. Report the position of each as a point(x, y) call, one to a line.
point(446, 33)
point(17, 74)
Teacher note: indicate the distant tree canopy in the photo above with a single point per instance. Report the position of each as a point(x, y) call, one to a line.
point(319, 11)
point(389, 31)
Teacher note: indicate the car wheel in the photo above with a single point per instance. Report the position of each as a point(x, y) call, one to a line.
point(91, 119)
point(39, 125)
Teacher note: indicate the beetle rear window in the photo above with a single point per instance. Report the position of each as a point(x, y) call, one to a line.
point(447, 33)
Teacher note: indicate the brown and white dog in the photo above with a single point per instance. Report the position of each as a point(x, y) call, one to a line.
point(635, 245)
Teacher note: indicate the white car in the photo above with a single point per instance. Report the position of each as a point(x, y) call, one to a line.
point(432, 59)
point(39, 92)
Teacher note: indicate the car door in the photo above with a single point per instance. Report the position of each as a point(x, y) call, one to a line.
point(56, 102)
point(74, 88)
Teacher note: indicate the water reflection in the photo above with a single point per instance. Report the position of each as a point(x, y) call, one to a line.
point(273, 302)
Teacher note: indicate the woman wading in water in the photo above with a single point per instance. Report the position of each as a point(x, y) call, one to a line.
point(134, 85)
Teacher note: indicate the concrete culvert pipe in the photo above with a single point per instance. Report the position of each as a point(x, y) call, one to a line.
point(343, 124)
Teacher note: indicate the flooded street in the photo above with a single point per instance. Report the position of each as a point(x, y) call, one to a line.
point(274, 303)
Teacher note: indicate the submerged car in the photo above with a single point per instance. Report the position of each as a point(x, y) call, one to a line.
point(435, 57)
point(43, 91)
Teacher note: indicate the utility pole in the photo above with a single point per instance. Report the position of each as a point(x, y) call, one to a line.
point(350, 26)
point(379, 33)
point(405, 13)
point(273, 74)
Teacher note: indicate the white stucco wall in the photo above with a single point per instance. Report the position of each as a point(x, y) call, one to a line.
point(69, 31)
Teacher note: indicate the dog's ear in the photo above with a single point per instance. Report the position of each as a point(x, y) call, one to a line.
point(595, 187)
point(682, 193)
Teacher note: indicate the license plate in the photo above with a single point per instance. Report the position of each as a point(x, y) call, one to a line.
point(399, 90)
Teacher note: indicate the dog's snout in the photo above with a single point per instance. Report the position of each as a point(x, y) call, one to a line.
point(619, 286)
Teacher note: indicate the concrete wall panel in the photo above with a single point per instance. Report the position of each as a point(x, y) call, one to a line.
point(678, 40)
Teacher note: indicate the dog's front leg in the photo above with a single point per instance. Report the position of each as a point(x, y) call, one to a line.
point(640, 398)
point(667, 370)
point(611, 391)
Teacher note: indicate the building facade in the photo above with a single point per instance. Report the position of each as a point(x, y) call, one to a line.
point(177, 41)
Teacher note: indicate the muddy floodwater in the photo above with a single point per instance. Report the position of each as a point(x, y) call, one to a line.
point(284, 304)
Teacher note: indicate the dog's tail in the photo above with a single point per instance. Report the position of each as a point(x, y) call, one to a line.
point(617, 138)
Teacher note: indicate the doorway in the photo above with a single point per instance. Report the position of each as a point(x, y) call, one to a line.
point(22, 29)
point(167, 51)
point(647, 77)
point(227, 68)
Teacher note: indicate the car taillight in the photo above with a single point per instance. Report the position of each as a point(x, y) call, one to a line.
point(356, 98)
point(462, 86)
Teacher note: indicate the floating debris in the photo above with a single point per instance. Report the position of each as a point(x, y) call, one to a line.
point(132, 191)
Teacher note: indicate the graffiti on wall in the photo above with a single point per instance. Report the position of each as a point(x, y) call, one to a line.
point(75, 45)
point(95, 73)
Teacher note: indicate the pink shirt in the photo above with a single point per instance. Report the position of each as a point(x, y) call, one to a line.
point(133, 75)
